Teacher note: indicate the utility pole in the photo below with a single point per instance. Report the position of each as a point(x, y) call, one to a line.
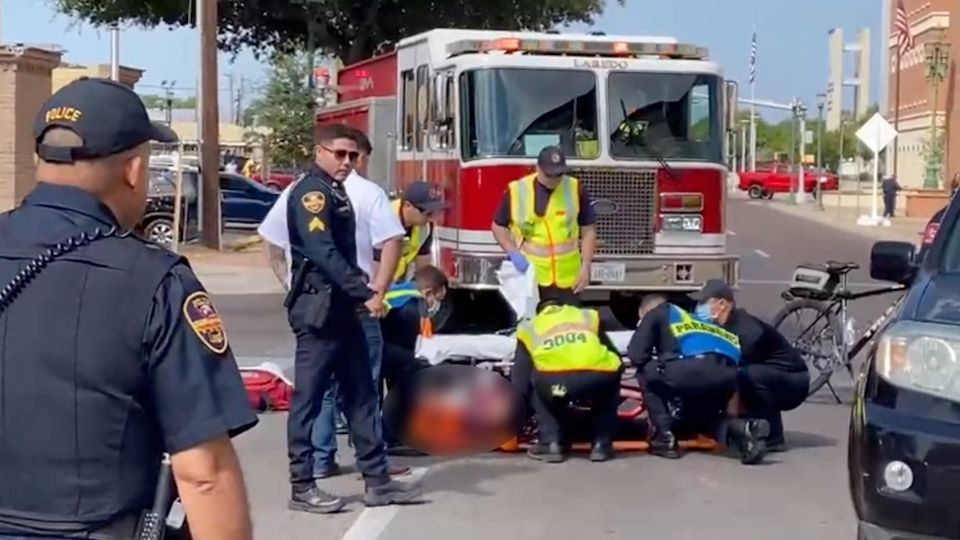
point(820, 103)
point(209, 125)
point(115, 52)
point(239, 100)
point(230, 98)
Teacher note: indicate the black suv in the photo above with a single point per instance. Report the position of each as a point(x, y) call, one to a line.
point(904, 448)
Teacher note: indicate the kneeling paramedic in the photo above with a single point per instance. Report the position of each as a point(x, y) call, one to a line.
point(687, 369)
point(573, 361)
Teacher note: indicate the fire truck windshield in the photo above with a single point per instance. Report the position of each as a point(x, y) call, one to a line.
point(516, 112)
point(668, 116)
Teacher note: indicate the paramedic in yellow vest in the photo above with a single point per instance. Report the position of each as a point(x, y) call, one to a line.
point(545, 220)
point(420, 203)
point(566, 355)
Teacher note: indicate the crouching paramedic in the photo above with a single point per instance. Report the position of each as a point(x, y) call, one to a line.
point(569, 359)
point(687, 369)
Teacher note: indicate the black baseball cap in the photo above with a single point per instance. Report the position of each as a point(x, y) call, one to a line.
point(108, 116)
point(713, 288)
point(552, 161)
point(424, 196)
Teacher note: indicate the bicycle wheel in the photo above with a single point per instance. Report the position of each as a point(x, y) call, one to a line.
point(817, 341)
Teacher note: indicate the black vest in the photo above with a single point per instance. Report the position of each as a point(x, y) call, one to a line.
point(79, 441)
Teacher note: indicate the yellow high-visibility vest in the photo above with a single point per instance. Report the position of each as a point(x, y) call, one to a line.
point(566, 338)
point(411, 246)
point(551, 243)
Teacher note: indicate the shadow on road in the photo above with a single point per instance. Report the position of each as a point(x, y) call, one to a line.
point(800, 439)
point(465, 477)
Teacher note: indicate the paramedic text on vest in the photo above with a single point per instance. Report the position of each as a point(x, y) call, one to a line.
point(541, 221)
point(327, 294)
point(687, 369)
point(420, 203)
point(572, 360)
point(112, 352)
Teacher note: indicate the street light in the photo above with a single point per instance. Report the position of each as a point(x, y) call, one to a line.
point(168, 95)
point(797, 195)
point(937, 57)
point(819, 178)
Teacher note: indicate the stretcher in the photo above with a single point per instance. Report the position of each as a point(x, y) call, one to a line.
point(496, 351)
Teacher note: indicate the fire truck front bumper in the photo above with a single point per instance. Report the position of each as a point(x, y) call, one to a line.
point(646, 273)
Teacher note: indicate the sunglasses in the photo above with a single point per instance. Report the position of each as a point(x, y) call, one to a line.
point(341, 155)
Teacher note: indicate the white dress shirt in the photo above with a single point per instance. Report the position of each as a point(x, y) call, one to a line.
point(376, 220)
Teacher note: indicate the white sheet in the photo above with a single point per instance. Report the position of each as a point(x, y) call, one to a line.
point(489, 347)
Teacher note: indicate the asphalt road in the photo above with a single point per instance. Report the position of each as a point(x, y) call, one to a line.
point(798, 495)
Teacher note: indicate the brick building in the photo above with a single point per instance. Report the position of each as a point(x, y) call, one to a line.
point(927, 19)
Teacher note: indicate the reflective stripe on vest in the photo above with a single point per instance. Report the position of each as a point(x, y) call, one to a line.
point(551, 242)
point(411, 246)
point(698, 338)
point(400, 294)
point(565, 338)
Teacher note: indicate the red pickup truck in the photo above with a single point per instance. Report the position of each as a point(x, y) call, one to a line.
point(278, 179)
point(782, 178)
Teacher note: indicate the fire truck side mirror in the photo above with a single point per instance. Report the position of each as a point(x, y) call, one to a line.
point(730, 102)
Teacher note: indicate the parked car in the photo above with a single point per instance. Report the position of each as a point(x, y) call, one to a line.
point(244, 204)
point(904, 443)
point(278, 179)
point(782, 178)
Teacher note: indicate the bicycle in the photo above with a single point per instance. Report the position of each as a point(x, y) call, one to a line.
point(824, 289)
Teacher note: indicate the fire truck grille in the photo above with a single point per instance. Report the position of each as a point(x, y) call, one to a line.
point(625, 203)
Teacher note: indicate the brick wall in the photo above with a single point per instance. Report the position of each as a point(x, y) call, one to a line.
point(25, 79)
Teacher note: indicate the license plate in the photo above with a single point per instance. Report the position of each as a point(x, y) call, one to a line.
point(608, 272)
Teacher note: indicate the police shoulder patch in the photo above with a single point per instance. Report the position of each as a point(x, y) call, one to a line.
point(314, 201)
point(206, 322)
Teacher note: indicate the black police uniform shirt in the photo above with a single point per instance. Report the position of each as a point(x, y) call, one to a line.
point(653, 337)
point(761, 343)
point(541, 196)
point(322, 227)
point(112, 355)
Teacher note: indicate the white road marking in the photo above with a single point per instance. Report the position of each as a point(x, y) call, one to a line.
point(732, 233)
point(374, 521)
point(762, 253)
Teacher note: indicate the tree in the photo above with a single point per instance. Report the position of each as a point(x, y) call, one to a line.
point(285, 108)
point(347, 29)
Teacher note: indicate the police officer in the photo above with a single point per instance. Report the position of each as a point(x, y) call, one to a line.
point(328, 294)
point(687, 369)
point(773, 375)
point(890, 189)
point(542, 219)
point(568, 358)
point(112, 353)
point(418, 205)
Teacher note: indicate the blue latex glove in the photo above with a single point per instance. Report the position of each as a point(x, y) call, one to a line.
point(519, 261)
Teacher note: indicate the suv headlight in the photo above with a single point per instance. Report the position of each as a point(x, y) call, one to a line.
point(924, 357)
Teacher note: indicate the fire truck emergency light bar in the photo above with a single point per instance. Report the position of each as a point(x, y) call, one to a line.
point(556, 46)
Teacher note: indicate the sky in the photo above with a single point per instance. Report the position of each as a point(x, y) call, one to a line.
point(791, 35)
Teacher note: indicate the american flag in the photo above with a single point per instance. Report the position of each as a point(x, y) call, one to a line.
point(901, 26)
point(753, 59)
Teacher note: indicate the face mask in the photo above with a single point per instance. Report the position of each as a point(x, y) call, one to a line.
point(703, 312)
point(433, 308)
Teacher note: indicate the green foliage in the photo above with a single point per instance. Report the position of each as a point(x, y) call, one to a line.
point(286, 109)
point(347, 29)
point(151, 101)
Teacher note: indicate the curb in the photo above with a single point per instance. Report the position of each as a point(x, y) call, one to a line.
point(246, 243)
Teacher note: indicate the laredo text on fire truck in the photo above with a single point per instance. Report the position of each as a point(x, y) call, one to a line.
point(643, 121)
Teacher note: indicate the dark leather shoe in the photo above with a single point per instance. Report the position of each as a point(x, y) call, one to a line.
point(315, 501)
point(601, 451)
point(547, 453)
point(664, 444)
point(749, 436)
point(776, 445)
point(393, 492)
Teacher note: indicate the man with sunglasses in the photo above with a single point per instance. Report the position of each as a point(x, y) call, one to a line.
point(542, 220)
point(329, 294)
point(419, 204)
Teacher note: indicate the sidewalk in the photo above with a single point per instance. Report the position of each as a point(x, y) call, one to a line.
point(903, 229)
point(233, 272)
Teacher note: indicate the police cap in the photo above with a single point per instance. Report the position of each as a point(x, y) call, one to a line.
point(714, 288)
point(108, 116)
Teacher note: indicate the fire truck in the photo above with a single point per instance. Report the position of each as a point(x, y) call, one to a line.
point(643, 122)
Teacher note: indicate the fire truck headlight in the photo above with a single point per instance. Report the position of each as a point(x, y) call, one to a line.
point(682, 223)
